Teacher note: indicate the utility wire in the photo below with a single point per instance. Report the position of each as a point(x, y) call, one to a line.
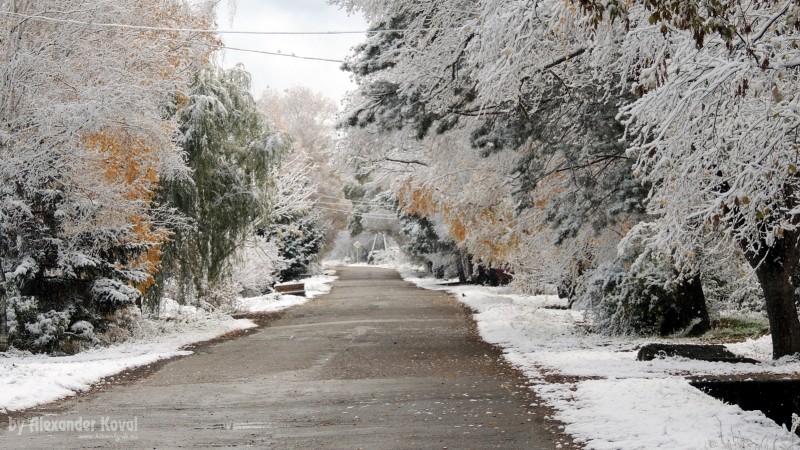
point(385, 203)
point(358, 203)
point(367, 215)
point(263, 52)
point(199, 30)
point(214, 46)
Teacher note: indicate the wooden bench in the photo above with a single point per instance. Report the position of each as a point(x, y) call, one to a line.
point(291, 289)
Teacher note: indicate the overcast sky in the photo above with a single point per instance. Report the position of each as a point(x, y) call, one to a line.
point(291, 15)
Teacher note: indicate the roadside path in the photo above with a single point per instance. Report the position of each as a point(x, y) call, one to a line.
point(375, 364)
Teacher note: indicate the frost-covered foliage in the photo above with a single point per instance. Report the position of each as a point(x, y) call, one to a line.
point(716, 131)
point(84, 144)
point(49, 331)
point(731, 285)
point(293, 222)
point(494, 158)
point(593, 116)
point(308, 118)
point(388, 254)
point(231, 150)
point(113, 294)
point(425, 246)
point(642, 300)
point(298, 240)
point(257, 265)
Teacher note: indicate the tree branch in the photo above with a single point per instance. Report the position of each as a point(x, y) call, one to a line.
point(400, 161)
point(564, 58)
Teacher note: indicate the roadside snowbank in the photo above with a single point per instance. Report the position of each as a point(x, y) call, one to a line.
point(618, 402)
point(315, 286)
point(28, 380)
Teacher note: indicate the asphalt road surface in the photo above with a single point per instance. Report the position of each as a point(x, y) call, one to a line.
point(375, 364)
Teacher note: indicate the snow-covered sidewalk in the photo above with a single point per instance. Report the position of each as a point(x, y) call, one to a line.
point(28, 380)
point(608, 399)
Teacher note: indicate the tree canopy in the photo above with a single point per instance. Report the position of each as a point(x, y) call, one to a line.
point(665, 128)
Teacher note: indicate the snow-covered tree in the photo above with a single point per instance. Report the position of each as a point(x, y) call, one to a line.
point(424, 104)
point(232, 154)
point(256, 267)
point(716, 132)
point(699, 97)
point(308, 118)
point(293, 220)
point(84, 144)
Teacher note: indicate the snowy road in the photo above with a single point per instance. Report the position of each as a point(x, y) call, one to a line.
point(377, 363)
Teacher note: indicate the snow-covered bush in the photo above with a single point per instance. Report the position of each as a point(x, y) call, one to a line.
point(390, 255)
point(20, 310)
point(48, 330)
point(120, 326)
point(641, 294)
point(32, 330)
point(221, 297)
point(425, 246)
point(111, 295)
point(298, 240)
point(67, 331)
point(83, 330)
point(256, 268)
point(731, 287)
point(628, 302)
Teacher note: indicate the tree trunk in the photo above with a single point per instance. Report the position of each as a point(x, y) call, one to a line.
point(462, 274)
point(466, 261)
point(3, 305)
point(690, 310)
point(774, 267)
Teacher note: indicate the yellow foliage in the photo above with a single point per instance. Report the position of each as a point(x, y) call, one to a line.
point(492, 234)
point(129, 163)
point(127, 160)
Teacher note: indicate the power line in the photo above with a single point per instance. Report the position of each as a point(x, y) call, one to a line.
point(367, 215)
point(384, 203)
point(200, 30)
point(388, 206)
point(376, 215)
point(288, 55)
point(263, 52)
point(209, 45)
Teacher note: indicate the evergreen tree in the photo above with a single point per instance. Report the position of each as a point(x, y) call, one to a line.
point(293, 222)
point(299, 239)
point(83, 147)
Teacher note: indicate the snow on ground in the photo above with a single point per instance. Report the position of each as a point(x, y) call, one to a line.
point(28, 380)
point(318, 285)
point(315, 286)
point(618, 402)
